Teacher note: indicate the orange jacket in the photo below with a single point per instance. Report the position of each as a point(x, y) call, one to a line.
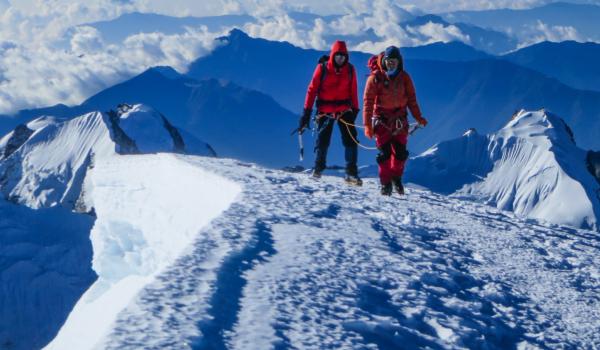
point(388, 97)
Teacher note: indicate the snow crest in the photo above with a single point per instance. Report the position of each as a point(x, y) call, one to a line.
point(143, 224)
point(48, 167)
point(318, 265)
point(531, 167)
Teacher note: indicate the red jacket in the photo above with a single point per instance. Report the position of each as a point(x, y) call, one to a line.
point(338, 91)
point(385, 96)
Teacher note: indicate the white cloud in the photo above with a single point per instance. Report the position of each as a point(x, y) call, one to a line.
point(351, 24)
point(46, 76)
point(435, 32)
point(541, 31)
point(48, 57)
point(284, 28)
point(86, 39)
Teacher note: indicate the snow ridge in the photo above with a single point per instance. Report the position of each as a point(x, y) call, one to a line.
point(143, 224)
point(46, 167)
point(299, 264)
point(531, 167)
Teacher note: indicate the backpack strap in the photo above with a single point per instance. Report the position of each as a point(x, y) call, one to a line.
point(323, 73)
point(323, 62)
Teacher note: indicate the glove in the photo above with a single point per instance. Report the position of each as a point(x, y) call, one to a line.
point(304, 122)
point(422, 121)
point(369, 131)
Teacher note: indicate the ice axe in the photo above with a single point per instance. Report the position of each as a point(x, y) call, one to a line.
point(300, 131)
point(414, 127)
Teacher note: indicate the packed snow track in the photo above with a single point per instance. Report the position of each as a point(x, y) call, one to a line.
point(301, 264)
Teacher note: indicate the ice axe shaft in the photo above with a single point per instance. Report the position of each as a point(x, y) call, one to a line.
point(300, 131)
point(301, 144)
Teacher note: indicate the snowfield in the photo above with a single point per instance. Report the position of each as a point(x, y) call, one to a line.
point(101, 250)
point(295, 263)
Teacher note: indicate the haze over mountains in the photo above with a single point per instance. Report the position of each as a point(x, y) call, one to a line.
point(492, 31)
point(458, 88)
point(558, 20)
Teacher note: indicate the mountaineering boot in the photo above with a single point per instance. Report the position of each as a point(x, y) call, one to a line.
point(353, 180)
point(386, 190)
point(352, 174)
point(316, 173)
point(397, 181)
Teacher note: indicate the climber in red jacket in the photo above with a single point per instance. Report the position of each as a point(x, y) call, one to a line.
point(333, 86)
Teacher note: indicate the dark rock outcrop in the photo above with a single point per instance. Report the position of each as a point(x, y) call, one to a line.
point(20, 135)
point(593, 164)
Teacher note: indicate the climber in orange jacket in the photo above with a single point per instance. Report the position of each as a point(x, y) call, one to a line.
point(388, 94)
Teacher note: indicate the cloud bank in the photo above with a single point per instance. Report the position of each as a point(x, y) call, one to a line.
point(48, 54)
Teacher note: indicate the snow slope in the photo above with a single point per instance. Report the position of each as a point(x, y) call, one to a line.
point(45, 266)
point(49, 166)
point(301, 264)
point(45, 250)
point(144, 222)
point(531, 167)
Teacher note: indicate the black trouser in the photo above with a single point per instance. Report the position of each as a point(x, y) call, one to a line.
point(324, 130)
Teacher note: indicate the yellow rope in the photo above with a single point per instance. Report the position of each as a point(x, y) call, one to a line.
point(352, 136)
point(348, 125)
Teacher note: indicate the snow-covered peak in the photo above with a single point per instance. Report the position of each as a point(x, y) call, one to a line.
point(43, 163)
point(531, 166)
point(539, 127)
point(150, 129)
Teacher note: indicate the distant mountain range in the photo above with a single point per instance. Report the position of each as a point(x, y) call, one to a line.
point(117, 30)
point(573, 63)
point(236, 122)
point(454, 51)
point(454, 95)
point(458, 87)
point(490, 41)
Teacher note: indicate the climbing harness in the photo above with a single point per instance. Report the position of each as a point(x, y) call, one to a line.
point(337, 116)
point(399, 125)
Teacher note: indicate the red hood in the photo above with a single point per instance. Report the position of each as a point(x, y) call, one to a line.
point(338, 46)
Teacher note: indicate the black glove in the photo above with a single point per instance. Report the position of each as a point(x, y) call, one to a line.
point(304, 120)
